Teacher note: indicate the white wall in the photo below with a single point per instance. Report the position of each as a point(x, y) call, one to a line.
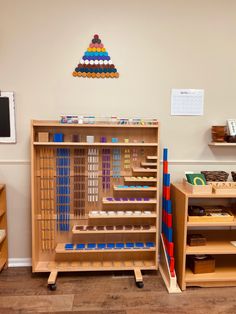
point(156, 45)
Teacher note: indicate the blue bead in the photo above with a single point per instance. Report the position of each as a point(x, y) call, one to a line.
point(84, 58)
point(108, 58)
point(77, 70)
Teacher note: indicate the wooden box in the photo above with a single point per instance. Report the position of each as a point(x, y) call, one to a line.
point(202, 264)
point(197, 189)
point(223, 187)
point(43, 136)
point(196, 239)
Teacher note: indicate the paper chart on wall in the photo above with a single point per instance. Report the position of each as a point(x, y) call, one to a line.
point(187, 102)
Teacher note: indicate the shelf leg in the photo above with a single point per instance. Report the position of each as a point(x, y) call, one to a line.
point(138, 277)
point(52, 280)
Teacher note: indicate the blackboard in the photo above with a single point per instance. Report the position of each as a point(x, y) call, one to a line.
point(5, 129)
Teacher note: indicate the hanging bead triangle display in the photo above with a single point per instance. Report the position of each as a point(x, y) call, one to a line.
point(96, 62)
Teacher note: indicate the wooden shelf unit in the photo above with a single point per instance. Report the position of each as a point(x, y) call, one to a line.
point(48, 239)
point(218, 239)
point(3, 229)
point(222, 144)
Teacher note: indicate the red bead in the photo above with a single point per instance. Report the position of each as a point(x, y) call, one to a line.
point(96, 36)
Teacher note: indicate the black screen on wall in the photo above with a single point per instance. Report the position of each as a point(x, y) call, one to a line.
point(5, 130)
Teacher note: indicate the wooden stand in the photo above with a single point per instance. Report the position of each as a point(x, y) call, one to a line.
point(218, 242)
point(111, 188)
point(3, 229)
point(169, 280)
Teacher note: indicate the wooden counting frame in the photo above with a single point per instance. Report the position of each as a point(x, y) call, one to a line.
point(109, 189)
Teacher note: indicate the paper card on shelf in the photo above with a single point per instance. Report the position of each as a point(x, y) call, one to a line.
point(187, 102)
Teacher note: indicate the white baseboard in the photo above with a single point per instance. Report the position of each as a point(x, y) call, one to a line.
point(19, 262)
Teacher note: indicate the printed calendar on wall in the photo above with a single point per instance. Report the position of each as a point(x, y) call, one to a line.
point(187, 102)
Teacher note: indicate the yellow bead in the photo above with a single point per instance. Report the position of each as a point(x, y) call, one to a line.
point(103, 49)
point(94, 49)
point(98, 49)
point(89, 49)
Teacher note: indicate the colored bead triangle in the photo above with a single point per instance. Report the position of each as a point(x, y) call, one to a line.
point(96, 62)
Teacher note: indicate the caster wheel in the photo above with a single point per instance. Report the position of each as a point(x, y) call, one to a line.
point(52, 287)
point(140, 284)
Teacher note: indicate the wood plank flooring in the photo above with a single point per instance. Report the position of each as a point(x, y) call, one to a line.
point(106, 293)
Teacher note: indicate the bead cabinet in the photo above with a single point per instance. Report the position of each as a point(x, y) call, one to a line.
point(94, 202)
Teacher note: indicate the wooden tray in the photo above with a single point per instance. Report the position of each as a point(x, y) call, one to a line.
point(197, 189)
point(213, 218)
point(223, 187)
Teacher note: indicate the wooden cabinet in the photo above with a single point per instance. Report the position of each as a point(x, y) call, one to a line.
point(3, 228)
point(94, 201)
point(218, 239)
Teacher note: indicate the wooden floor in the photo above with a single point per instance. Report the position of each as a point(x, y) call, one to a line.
point(106, 293)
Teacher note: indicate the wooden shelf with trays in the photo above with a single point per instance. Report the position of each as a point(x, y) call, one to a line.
point(136, 189)
point(3, 229)
point(152, 229)
point(81, 144)
point(136, 202)
point(122, 216)
point(218, 240)
point(48, 242)
point(60, 249)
